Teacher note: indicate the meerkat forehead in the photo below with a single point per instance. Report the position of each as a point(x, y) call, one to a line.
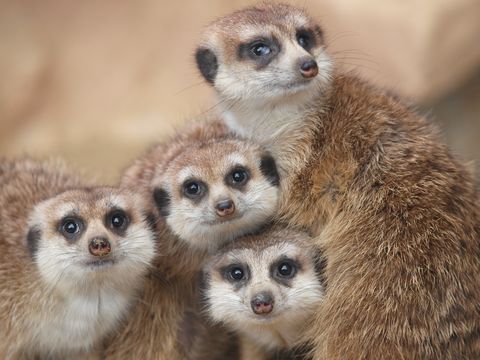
point(259, 19)
point(272, 242)
point(211, 160)
point(90, 203)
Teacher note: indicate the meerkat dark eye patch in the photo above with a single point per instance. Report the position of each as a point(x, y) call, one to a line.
point(306, 39)
point(33, 238)
point(117, 220)
point(237, 177)
point(236, 274)
point(284, 269)
point(162, 200)
point(194, 189)
point(207, 63)
point(261, 51)
point(269, 169)
point(71, 227)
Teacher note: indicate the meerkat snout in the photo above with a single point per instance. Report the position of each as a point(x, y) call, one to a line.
point(225, 208)
point(262, 303)
point(99, 246)
point(308, 68)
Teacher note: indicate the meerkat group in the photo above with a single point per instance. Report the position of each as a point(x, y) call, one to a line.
point(314, 216)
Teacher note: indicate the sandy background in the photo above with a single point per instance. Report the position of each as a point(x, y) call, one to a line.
point(97, 81)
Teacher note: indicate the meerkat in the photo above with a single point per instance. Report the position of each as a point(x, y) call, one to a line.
point(207, 188)
point(396, 215)
point(265, 287)
point(71, 260)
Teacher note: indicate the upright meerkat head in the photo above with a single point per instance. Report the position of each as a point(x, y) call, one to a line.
point(213, 191)
point(83, 238)
point(271, 280)
point(264, 53)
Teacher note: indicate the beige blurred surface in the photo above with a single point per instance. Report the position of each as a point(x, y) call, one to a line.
point(97, 81)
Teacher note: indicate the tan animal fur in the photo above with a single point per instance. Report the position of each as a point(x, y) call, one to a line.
point(57, 299)
point(396, 215)
point(156, 327)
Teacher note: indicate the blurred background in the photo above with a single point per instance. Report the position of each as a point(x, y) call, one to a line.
point(97, 81)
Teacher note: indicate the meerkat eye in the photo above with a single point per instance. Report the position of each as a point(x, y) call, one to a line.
point(238, 177)
point(71, 227)
point(286, 269)
point(260, 49)
point(118, 220)
point(305, 39)
point(236, 273)
point(193, 189)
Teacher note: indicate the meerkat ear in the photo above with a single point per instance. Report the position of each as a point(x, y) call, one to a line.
point(151, 220)
point(269, 169)
point(162, 200)
point(320, 265)
point(207, 63)
point(33, 238)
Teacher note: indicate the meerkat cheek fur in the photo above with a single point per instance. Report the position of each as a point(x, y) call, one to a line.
point(396, 215)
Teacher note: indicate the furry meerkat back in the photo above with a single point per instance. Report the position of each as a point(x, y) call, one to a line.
point(396, 215)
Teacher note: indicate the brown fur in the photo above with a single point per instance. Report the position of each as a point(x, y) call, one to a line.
point(154, 328)
point(24, 183)
point(397, 217)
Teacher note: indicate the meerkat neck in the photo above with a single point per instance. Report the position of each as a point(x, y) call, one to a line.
point(281, 127)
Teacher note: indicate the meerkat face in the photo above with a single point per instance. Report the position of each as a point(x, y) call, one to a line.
point(83, 237)
point(267, 52)
point(271, 279)
point(214, 192)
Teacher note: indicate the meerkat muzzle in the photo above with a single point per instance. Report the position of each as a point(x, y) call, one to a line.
point(225, 208)
point(99, 247)
point(262, 303)
point(309, 69)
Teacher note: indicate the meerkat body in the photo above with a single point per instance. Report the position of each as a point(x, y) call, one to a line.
point(265, 287)
point(396, 215)
point(68, 275)
point(207, 187)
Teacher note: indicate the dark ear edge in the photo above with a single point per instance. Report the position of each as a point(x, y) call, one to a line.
point(269, 169)
point(320, 262)
point(151, 221)
point(207, 63)
point(33, 238)
point(162, 200)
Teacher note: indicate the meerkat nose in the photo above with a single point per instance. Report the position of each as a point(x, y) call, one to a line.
point(309, 69)
point(99, 246)
point(262, 303)
point(225, 208)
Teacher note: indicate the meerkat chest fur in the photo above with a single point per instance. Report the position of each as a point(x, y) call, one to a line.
point(78, 317)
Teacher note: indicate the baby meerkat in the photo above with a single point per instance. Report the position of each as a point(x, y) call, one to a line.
point(71, 260)
point(207, 187)
point(396, 215)
point(265, 287)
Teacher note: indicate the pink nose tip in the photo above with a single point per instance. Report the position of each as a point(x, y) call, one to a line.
point(225, 208)
point(262, 304)
point(99, 246)
point(309, 69)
